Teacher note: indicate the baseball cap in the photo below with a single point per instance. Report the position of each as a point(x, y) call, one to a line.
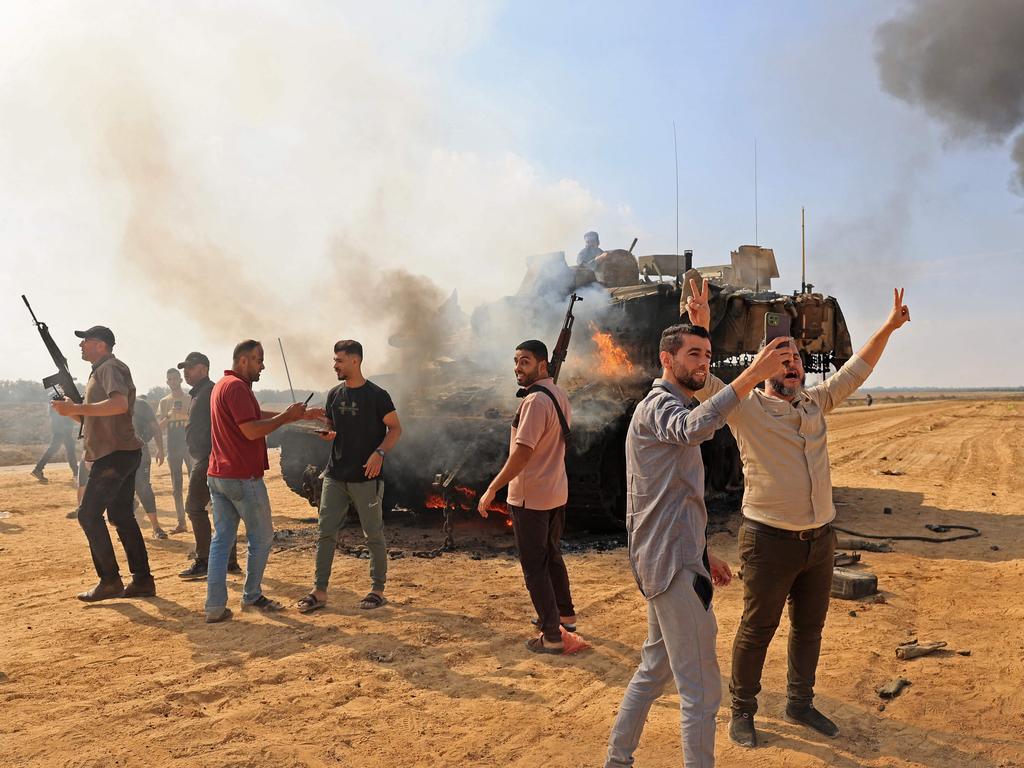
point(194, 358)
point(99, 332)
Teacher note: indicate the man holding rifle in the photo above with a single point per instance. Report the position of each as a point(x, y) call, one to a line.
point(786, 540)
point(115, 450)
point(538, 489)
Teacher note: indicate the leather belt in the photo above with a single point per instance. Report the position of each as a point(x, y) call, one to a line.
point(808, 534)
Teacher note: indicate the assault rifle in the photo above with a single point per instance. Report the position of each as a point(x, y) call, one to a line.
point(562, 345)
point(62, 383)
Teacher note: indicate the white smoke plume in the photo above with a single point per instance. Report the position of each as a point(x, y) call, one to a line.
point(962, 63)
point(275, 170)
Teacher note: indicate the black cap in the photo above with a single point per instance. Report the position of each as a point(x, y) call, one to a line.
point(100, 332)
point(194, 358)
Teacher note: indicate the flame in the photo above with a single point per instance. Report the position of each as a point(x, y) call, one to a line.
point(612, 360)
point(464, 498)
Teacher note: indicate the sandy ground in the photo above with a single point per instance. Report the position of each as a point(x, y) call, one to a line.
point(440, 676)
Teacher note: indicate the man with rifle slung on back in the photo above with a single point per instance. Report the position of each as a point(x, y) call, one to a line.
point(115, 450)
point(538, 487)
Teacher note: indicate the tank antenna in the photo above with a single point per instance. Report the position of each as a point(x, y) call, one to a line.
point(803, 253)
point(287, 373)
point(757, 242)
point(675, 150)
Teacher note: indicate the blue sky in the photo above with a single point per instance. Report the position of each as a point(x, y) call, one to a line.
point(429, 137)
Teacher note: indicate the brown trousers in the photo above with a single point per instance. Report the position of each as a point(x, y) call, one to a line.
point(538, 538)
point(777, 569)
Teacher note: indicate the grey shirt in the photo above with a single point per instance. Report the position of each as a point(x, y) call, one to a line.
point(665, 513)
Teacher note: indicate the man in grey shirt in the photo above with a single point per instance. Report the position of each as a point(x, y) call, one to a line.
point(666, 521)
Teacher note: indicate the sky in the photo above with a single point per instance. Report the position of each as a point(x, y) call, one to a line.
point(195, 173)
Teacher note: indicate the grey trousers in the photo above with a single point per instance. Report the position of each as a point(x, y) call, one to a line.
point(335, 500)
point(680, 645)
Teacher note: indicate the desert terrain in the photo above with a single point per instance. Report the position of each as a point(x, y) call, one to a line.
point(440, 677)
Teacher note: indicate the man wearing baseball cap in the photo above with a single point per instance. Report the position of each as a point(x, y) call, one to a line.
point(115, 450)
point(196, 369)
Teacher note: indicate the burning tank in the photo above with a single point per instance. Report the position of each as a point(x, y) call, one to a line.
point(455, 426)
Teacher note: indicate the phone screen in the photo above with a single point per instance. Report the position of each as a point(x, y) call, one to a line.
point(776, 324)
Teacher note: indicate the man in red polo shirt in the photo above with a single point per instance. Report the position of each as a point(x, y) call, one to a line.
point(238, 458)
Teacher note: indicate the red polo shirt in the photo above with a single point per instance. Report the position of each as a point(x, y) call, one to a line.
point(233, 455)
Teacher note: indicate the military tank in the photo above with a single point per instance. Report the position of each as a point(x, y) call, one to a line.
point(455, 434)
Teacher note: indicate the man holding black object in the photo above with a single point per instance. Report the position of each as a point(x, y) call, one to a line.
point(114, 449)
point(363, 428)
point(196, 369)
point(786, 540)
point(538, 489)
point(666, 521)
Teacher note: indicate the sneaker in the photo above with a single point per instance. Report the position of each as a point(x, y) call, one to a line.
point(144, 587)
point(741, 730)
point(195, 572)
point(813, 719)
point(38, 475)
point(264, 604)
point(235, 569)
point(215, 617)
point(159, 533)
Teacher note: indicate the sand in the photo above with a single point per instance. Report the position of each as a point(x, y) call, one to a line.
point(440, 677)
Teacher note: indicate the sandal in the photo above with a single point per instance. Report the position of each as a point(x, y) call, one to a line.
point(536, 644)
point(310, 603)
point(372, 600)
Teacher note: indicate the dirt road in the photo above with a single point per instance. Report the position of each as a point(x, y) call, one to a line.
point(440, 677)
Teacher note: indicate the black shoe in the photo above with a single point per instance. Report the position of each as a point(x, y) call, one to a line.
point(144, 587)
point(741, 730)
point(105, 590)
point(195, 572)
point(813, 719)
point(37, 473)
point(235, 569)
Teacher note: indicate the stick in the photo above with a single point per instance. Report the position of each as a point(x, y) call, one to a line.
point(286, 368)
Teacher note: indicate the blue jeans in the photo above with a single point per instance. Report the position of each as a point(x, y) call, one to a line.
point(235, 500)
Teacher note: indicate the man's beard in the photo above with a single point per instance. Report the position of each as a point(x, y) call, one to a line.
point(691, 380)
point(779, 387)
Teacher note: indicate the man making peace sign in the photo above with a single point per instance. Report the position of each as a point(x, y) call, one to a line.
point(786, 540)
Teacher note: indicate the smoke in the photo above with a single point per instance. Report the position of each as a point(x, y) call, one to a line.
point(265, 173)
point(961, 62)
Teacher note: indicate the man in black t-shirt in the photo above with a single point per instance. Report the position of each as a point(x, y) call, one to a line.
point(146, 429)
point(363, 426)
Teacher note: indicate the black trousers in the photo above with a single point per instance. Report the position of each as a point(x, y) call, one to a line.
point(195, 507)
point(177, 459)
point(110, 489)
point(538, 536)
point(779, 570)
point(60, 440)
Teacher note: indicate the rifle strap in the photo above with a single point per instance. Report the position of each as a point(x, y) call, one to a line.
point(554, 401)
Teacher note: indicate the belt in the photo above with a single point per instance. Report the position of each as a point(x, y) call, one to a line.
point(808, 534)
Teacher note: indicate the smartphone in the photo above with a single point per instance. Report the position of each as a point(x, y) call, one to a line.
point(776, 324)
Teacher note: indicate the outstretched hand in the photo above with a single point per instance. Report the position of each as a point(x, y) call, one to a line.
point(900, 313)
point(698, 305)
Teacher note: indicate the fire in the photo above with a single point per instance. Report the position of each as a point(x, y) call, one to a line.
point(612, 359)
point(464, 498)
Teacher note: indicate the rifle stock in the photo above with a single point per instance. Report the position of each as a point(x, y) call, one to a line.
point(562, 345)
point(62, 382)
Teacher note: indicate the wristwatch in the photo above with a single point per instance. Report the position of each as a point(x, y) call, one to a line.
point(380, 451)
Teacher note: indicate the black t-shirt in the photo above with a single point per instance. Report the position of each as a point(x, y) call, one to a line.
point(144, 421)
point(358, 418)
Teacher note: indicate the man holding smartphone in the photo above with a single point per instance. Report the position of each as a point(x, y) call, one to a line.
point(786, 540)
point(362, 427)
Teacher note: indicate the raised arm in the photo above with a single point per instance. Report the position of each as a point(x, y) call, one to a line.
point(899, 315)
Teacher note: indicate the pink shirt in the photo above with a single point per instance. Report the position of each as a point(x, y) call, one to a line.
point(543, 483)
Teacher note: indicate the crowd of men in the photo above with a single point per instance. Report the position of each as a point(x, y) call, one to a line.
point(786, 540)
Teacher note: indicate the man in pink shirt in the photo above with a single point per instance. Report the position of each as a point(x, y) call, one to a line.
point(538, 489)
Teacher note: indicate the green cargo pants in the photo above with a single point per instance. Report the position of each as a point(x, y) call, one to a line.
point(335, 500)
